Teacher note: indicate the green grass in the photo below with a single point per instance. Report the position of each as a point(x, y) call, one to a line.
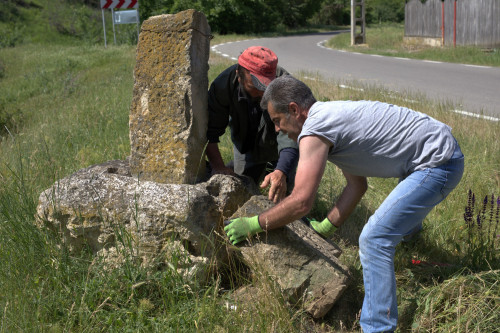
point(387, 40)
point(66, 104)
point(74, 103)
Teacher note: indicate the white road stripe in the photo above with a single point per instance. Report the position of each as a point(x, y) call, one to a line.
point(475, 115)
point(462, 112)
point(477, 66)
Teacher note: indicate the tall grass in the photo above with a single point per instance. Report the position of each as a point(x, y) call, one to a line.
point(387, 39)
point(434, 257)
point(69, 109)
point(72, 105)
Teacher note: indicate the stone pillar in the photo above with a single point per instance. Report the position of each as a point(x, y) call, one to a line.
point(168, 116)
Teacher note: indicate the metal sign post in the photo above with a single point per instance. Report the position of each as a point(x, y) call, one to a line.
point(120, 17)
point(104, 28)
point(113, 20)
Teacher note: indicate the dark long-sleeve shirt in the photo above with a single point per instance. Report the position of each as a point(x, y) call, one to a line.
point(251, 128)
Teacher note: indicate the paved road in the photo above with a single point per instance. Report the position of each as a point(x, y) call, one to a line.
point(470, 88)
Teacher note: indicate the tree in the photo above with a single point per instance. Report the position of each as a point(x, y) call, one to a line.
point(333, 12)
point(385, 11)
point(239, 16)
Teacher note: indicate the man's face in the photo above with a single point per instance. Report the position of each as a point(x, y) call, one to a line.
point(253, 93)
point(288, 123)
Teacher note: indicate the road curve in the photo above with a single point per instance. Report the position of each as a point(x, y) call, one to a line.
point(471, 89)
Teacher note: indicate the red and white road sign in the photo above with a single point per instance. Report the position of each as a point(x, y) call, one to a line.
point(119, 4)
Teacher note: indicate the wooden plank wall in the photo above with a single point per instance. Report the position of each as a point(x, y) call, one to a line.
point(477, 21)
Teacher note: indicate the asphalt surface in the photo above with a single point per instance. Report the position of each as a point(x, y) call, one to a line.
point(472, 90)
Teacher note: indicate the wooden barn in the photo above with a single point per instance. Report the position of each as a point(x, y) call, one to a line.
point(453, 22)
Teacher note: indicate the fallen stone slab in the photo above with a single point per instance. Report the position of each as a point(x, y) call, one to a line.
point(305, 266)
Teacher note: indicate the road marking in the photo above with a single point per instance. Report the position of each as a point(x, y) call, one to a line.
point(321, 44)
point(477, 66)
point(475, 115)
point(462, 112)
point(343, 86)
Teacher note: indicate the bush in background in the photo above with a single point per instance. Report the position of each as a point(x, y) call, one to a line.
point(240, 16)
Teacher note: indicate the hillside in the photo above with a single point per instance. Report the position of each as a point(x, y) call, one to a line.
point(64, 21)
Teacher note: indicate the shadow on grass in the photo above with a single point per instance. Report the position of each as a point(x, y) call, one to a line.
point(419, 264)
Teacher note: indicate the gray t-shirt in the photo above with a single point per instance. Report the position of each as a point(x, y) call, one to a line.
point(375, 139)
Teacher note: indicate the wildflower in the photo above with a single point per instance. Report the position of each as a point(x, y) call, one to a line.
point(469, 209)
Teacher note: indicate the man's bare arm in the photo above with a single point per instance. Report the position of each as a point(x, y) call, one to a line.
point(216, 161)
point(350, 197)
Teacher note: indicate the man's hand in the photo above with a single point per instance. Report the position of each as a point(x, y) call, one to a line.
point(216, 162)
point(223, 170)
point(325, 228)
point(277, 180)
point(239, 229)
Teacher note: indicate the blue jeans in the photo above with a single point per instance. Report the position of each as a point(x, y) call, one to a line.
point(401, 213)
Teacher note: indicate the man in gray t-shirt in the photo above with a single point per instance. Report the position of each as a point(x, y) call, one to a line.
point(374, 139)
point(364, 139)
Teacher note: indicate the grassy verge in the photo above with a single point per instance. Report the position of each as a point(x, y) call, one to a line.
point(387, 40)
point(72, 105)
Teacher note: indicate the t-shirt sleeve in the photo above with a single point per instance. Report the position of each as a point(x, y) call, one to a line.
point(318, 125)
point(287, 160)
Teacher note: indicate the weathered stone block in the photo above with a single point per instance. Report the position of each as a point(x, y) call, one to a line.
point(95, 205)
point(168, 115)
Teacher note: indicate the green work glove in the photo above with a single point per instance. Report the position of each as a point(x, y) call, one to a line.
point(239, 229)
point(325, 228)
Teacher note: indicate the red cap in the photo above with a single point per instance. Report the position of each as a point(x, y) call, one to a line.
point(262, 63)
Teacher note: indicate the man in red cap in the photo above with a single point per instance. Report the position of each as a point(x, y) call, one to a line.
point(234, 100)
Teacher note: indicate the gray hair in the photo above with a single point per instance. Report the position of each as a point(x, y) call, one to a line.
point(286, 89)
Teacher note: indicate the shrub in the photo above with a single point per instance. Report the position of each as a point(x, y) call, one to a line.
point(11, 36)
